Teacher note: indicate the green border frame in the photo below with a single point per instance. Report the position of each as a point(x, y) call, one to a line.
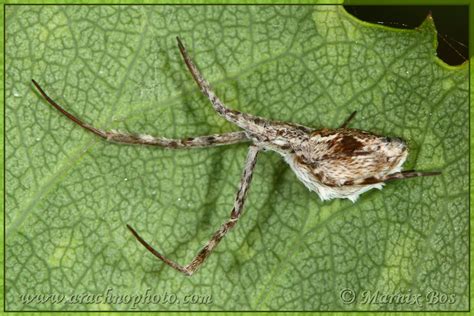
point(470, 3)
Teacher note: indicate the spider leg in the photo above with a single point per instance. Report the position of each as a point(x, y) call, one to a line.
point(205, 87)
point(347, 121)
point(394, 176)
point(222, 231)
point(410, 174)
point(246, 121)
point(125, 138)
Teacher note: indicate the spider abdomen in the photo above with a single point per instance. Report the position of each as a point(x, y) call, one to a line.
point(344, 163)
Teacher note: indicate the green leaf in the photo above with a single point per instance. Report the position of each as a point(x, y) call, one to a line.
point(69, 194)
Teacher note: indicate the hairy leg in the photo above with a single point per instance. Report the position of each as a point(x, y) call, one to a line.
point(140, 139)
point(246, 121)
point(394, 176)
point(222, 231)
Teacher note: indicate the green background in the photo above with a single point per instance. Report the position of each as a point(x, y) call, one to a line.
point(69, 195)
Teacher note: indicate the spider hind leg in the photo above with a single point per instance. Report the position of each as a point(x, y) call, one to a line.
point(348, 120)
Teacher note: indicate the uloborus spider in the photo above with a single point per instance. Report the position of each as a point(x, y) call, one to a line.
point(334, 163)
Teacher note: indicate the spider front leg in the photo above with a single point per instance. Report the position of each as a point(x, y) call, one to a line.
point(222, 231)
point(125, 138)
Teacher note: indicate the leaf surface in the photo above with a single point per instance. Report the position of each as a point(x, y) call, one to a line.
point(69, 195)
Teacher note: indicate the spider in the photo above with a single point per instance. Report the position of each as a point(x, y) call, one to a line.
point(334, 163)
